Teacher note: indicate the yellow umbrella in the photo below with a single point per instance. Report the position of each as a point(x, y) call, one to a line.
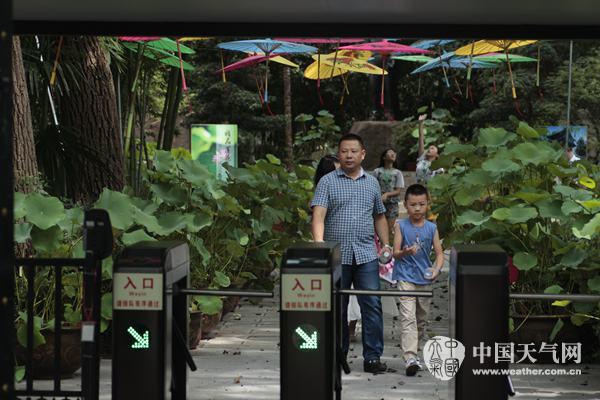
point(284, 61)
point(193, 38)
point(350, 64)
point(323, 71)
point(493, 46)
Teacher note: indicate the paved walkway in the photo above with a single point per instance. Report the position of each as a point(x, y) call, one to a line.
point(242, 362)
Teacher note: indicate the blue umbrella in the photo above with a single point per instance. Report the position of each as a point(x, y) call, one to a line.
point(427, 44)
point(267, 47)
point(449, 60)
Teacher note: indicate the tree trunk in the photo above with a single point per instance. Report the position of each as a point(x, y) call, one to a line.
point(25, 162)
point(287, 105)
point(89, 108)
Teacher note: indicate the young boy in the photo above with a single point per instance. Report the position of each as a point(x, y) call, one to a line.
point(414, 238)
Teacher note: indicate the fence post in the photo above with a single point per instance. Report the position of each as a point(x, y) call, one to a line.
point(98, 243)
point(478, 293)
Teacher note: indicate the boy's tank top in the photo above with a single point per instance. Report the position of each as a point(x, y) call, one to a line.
point(411, 268)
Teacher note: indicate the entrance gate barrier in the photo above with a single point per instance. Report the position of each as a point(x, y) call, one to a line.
point(150, 321)
point(311, 321)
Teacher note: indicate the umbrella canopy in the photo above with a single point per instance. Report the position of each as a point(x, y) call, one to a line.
point(193, 38)
point(492, 46)
point(422, 59)
point(255, 59)
point(450, 60)
point(428, 44)
point(164, 57)
point(138, 38)
point(350, 64)
point(385, 48)
point(267, 47)
point(165, 44)
point(320, 40)
point(500, 58)
point(324, 71)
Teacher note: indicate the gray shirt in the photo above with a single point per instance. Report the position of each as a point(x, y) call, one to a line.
point(351, 205)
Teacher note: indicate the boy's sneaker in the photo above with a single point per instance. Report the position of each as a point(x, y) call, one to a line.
point(375, 366)
point(412, 367)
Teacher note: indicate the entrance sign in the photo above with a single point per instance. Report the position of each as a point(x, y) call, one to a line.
point(137, 291)
point(306, 292)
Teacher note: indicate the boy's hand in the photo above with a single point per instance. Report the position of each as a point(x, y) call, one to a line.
point(422, 118)
point(436, 273)
point(412, 250)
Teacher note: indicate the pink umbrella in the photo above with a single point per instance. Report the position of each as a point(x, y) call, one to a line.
point(246, 62)
point(139, 38)
point(385, 48)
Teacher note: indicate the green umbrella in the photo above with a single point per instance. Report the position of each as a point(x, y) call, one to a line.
point(499, 58)
point(161, 55)
point(169, 45)
point(422, 59)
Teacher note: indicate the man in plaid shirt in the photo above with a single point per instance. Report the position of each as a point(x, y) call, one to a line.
point(347, 208)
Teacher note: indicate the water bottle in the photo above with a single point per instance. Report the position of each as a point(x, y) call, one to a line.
point(385, 256)
point(428, 274)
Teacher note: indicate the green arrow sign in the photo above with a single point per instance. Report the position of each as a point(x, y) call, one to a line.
point(141, 341)
point(310, 342)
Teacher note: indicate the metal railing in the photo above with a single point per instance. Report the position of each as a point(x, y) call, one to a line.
point(30, 265)
point(97, 245)
point(581, 298)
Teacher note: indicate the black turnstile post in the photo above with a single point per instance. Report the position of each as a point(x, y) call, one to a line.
point(479, 314)
point(150, 322)
point(310, 322)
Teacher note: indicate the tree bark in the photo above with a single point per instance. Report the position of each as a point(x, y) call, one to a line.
point(25, 162)
point(287, 105)
point(90, 109)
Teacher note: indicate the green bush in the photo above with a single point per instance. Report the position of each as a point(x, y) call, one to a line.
point(237, 230)
point(518, 191)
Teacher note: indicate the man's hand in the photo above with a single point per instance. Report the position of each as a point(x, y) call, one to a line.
point(422, 118)
point(384, 197)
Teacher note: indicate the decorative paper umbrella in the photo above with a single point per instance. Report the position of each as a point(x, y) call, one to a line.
point(351, 64)
point(338, 41)
point(492, 46)
point(422, 59)
point(450, 60)
point(500, 58)
point(428, 44)
point(163, 46)
point(385, 48)
point(164, 57)
point(267, 47)
point(323, 71)
point(255, 59)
